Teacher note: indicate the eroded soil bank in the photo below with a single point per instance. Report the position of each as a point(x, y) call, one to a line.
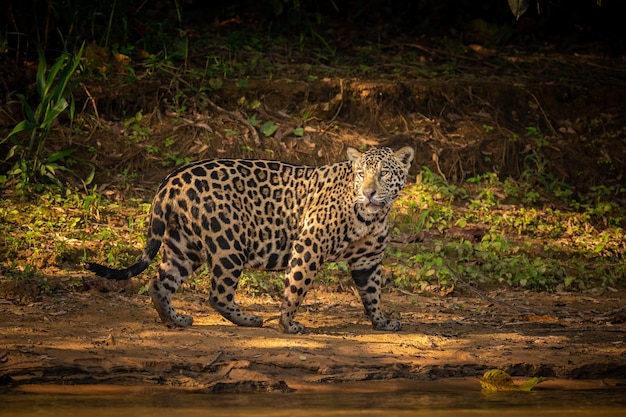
point(116, 339)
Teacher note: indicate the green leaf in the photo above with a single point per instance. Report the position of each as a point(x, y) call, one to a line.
point(15, 171)
point(254, 104)
point(72, 109)
point(253, 120)
point(90, 176)
point(41, 73)
point(60, 155)
point(52, 89)
point(69, 68)
point(495, 380)
point(53, 113)
point(23, 126)
point(298, 131)
point(518, 7)
point(12, 151)
point(268, 128)
point(531, 383)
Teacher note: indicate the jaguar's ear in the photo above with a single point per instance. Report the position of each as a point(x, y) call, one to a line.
point(353, 154)
point(405, 156)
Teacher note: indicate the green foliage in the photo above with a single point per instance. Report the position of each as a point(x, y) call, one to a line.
point(496, 380)
point(136, 129)
point(111, 24)
point(535, 134)
point(490, 232)
point(54, 98)
point(172, 157)
point(426, 204)
point(39, 237)
point(262, 283)
point(268, 128)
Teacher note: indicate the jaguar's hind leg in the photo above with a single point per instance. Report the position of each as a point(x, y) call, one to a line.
point(223, 287)
point(172, 273)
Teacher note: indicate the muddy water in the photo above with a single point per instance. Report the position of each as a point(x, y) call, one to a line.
point(433, 403)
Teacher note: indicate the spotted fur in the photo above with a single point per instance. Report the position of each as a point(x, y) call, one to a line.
point(233, 214)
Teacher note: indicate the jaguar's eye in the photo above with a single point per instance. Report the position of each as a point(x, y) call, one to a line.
point(360, 173)
point(384, 174)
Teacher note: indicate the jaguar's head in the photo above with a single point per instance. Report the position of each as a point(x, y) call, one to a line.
point(379, 176)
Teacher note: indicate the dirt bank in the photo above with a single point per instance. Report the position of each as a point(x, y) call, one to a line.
point(93, 338)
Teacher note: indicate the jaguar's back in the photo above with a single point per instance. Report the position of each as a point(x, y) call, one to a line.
point(235, 214)
point(256, 205)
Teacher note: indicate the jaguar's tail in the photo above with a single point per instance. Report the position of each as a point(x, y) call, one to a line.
point(149, 252)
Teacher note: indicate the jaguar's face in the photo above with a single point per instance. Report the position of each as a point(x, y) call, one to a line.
point(379, 176)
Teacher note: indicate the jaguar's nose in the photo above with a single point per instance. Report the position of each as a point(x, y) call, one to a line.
point(369, 193)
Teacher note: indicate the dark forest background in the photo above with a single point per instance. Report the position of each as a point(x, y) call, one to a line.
point(61, 25)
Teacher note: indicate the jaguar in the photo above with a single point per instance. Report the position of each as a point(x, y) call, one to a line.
point(236, 214)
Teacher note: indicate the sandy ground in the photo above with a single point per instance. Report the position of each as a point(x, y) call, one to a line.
point(114, 339)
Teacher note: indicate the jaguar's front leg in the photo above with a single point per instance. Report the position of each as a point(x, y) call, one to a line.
point(298, 280)
point(367, 280)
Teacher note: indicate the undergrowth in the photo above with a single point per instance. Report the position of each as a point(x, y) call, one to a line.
point(480, 233)
point(489, 233)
